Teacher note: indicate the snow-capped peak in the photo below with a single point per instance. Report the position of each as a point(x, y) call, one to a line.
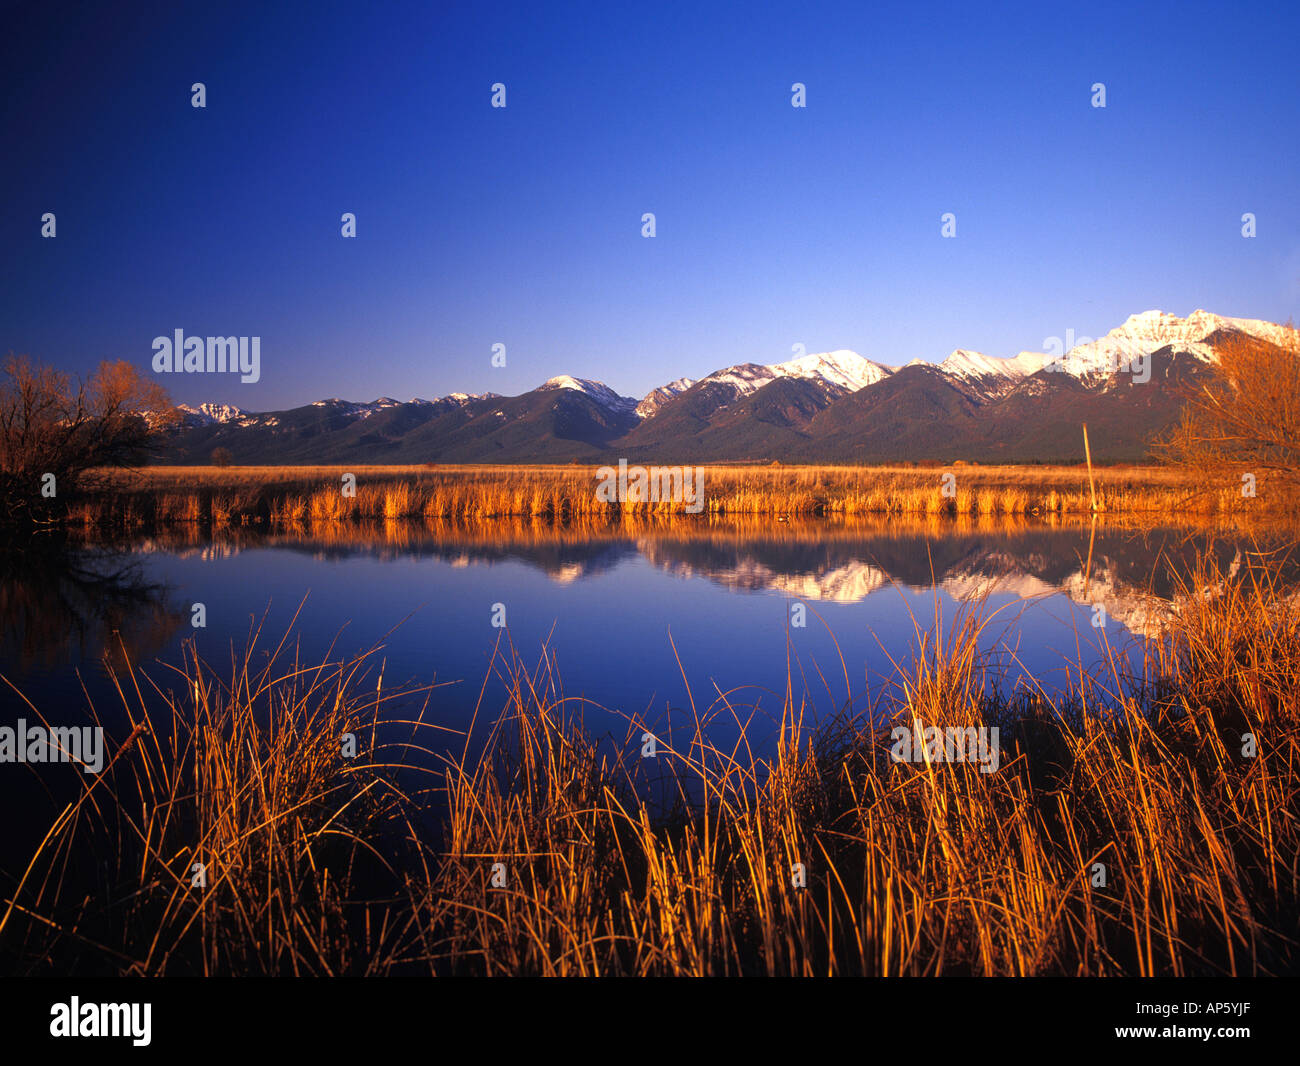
point(460, 398)
point(986, 376)
point(843, 371)
point(597, 390)
point(1148, 331)
point(353, 409)
point(208, 413)
point(842, 368)
point(655, 398)
point(967, 364)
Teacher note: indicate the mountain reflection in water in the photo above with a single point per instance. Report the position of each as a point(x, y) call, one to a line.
point(1135, 574)
point(641, 616)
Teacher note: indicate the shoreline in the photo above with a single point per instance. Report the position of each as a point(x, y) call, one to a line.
point(286, 496)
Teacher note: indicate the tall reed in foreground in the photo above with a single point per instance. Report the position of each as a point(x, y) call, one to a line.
point(1123, 833)
point(1143, 823)
point(230, 832)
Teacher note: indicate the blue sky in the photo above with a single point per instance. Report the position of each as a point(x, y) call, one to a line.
point(775, 225)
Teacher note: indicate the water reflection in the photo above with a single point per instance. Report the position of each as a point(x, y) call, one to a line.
point(648, 619)
point(60, 605)
point(1134, 573)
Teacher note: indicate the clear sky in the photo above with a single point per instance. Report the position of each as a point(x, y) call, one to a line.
point(775, 225)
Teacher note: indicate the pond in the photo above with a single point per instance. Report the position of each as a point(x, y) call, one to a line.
point(637, 618)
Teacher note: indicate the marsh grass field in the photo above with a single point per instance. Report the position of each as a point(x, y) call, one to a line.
point(160, 495)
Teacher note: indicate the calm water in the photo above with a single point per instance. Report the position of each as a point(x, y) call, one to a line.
point(640, 619)
point(662, 622)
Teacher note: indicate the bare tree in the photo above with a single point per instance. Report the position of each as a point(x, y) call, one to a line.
point(72, 430)
point(1245, 418)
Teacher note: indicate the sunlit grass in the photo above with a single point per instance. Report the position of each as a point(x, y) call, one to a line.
point(320, 864)
point(288, 495)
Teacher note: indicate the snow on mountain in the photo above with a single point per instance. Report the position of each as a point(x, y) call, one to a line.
point(463, 398)
point(743, 378)
point(1032, 362)
point(987, 377)
point(655, 398)
point(460, 399)
point(358, 410)
point(984, 376)
point(597, 390)
point(974, 365)
point(843, 369)
point(208, 413)
point(1144, 333)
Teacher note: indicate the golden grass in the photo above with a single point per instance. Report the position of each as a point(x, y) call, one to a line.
point(295, 495)
point(241, 773)
point(318, 864)
point(913, 870)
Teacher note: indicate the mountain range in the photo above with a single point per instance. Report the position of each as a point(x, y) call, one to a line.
point(830, 407)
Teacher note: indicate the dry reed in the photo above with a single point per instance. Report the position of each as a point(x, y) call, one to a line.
point(317, 864)
point(290, 495)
